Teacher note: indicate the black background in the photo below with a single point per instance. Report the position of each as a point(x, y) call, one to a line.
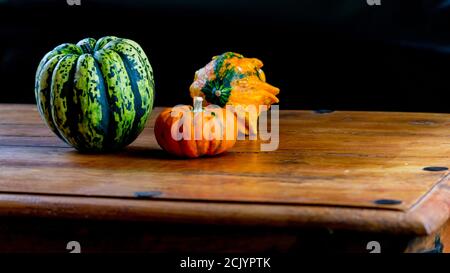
point(333, 54)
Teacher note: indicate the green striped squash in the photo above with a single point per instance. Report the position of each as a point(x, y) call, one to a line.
point(95, 95)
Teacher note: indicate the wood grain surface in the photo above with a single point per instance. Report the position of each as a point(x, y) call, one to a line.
point(352, 170)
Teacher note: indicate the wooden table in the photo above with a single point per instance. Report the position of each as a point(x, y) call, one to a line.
point(338, 181)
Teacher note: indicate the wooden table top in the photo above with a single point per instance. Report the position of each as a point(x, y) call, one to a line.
point(351, 170)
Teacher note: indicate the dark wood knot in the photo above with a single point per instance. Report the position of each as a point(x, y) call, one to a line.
point(435, 169)
point(387, 202)
point(147, 194)
point(323, 111)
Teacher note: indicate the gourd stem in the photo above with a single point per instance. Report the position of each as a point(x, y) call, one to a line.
point(198, 103)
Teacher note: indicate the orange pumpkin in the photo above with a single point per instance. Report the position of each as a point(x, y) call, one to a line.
point(193, 132)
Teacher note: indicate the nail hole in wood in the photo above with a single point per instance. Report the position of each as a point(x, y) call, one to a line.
point(387, 202)
point(323, 111)
point(147, 194)
point(435, 169)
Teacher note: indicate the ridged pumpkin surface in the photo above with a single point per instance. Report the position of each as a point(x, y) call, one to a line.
point(95, 95)
point(201, 130)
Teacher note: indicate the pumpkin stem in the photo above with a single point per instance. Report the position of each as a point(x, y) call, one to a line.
point(198, 103)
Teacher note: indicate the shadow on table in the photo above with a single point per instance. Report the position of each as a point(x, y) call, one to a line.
point(152, 153)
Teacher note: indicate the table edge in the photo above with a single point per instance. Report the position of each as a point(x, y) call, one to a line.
point(413, 222)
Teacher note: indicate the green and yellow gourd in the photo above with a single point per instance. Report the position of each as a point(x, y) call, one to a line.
point(231, 79)
point(95, 95)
